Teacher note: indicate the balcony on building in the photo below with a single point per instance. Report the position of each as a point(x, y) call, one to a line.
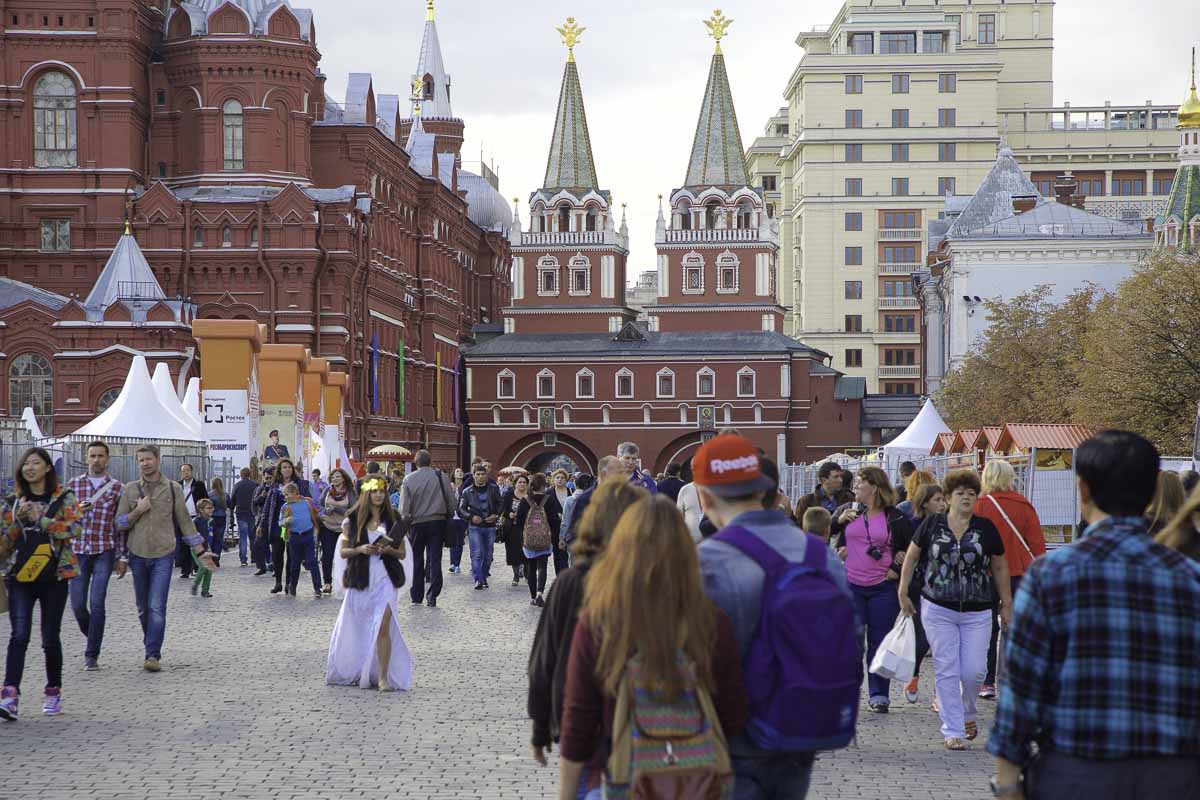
point(898, 268)
point(899, 234)
point(892, 303)
point(717, 216)
point(892, 373)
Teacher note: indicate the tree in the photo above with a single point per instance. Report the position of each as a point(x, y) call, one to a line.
point(1025, 367)
point(1141, 359)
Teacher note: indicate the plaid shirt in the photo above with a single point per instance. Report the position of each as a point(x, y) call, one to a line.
point(100, 524)
point(1104, 653)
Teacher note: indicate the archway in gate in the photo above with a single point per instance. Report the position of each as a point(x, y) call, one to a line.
point(680, 450)
point(538, 451)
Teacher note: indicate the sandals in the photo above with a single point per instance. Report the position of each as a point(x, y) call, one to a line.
point(956, 744)
point(972, 730)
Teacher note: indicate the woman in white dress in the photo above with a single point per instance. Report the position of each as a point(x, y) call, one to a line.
point(367, 647)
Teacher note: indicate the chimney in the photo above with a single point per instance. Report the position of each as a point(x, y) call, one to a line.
point(1066, 191)
point(1023, 202)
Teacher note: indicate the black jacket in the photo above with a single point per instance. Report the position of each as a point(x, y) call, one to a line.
point(479, 502)
point(551, 648)
point(199, 490)
point(900, 532)
point(242, 497)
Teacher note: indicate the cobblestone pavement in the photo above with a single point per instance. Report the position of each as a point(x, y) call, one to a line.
point(241, 710)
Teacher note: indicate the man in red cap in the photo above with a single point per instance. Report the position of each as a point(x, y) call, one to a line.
point(731, 486)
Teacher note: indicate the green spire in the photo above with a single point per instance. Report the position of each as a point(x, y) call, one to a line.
point(570, 165)
point(717, 152)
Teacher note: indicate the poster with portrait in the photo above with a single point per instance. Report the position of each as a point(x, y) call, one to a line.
point(276, 431)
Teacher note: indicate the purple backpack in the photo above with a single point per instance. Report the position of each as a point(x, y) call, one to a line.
point(804, 665)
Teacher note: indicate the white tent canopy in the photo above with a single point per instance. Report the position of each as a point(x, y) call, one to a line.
point(170, 401)
point(137, 412)
point(191, 401)
point(31, 424)
point(917, 439)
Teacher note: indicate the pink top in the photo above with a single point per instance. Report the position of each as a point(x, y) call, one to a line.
point(861, 569)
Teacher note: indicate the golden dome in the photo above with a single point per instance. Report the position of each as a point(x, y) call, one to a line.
point(1189, 112)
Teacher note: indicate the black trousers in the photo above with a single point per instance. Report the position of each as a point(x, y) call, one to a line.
point(1062, 777)
point(52, 595)
point(427, 539)
point(560, 558)
point(183, 557)
point(535, 574)
point(278, 554)
point(1014, 582)
point(329, 540)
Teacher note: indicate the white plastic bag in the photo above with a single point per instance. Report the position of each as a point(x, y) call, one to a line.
point(896, 658)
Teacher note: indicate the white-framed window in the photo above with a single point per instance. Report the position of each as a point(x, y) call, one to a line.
point(646, 412)
point(785, 380)
point(606, 414)
point(745, 382)
point(547, 272)
point(758, 413)
point(226, 237)
point(56, 235)
point(54, 139)
point(545, 385)
point(727, 273)
point(727, 414)
point(506, 385)
point(566, 415)
point(665, 383)
point(510, 325)
point(652, 323)
point(495, 415)
point(585, 384)
point(693, 273)
point(624, 386)
point(768, 322)
point(614, 324)
point(233, 121)
point(580, 270)
point(526, 415)
point(518, 278)
point(706, 383)
point(683, 414)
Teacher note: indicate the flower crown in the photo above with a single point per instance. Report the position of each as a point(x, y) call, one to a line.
point(374, 485)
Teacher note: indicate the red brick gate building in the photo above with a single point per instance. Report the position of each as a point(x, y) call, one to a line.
point(569, 373)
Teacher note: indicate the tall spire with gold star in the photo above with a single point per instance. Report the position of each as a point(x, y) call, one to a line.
point(570, 164)
point(431, 71)
point(717, 153)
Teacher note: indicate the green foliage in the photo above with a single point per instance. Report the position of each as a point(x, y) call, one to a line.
point(1128, 359)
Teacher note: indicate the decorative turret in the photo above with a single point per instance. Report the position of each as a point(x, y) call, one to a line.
point(570, 165)
point(1178, 227)
point(717, 152)
point(431, 94)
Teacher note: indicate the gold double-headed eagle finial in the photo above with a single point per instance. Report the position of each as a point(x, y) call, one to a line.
point(718, 24)
point(418, 94)
point(429, 15)
point(571, 33)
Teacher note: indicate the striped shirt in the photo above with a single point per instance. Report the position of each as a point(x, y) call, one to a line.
point(1104, 653)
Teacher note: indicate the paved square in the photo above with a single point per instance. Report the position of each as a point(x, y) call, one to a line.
point(241, 710)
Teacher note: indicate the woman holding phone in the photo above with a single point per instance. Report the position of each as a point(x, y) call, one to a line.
point(367, 647)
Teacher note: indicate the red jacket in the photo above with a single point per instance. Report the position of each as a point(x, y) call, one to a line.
point(1023, 516)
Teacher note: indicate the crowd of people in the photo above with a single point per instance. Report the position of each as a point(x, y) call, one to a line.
point(689, 605)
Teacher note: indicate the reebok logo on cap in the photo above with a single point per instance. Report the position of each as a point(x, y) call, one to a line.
point(728, 466)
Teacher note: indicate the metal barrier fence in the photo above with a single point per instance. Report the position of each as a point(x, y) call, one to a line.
point(70, 459)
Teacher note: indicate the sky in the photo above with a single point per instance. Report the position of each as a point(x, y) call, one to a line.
point(643, 68)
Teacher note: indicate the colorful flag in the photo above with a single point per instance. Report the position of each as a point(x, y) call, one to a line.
point(400, 380)
point(375, 373)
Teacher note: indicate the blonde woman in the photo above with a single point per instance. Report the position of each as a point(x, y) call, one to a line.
point(1021, 531)
point(367, 647)
point(1183, 532)
point(1168, 499)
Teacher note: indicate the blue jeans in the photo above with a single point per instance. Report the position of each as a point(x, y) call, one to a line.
point(302, 549)
point(245, 526)
point(482, 541)
point(52, 595)
point(877, 606)
point(151, 583)
point(783, 776)
point(90, 588)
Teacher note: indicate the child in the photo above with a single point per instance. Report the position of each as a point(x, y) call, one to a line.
point(297, 522)
point(215, 542)
point(818, 521)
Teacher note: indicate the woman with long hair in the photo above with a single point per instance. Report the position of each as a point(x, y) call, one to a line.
point(1021, 531)
point(514, 554)
point(561, 490)
point(456, 526)
point(965, 570)
point(1182, 533)
point(1168, 499)
point(537, 553)
point(872, 536)
point(915, 480)
point(333, 506)
point(644, 597)
point(367, 647)
point(268, 521)
point(927, 499)
point(37, 524)
point(552, 642)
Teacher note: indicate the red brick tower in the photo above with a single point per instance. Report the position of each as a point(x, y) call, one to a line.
point(569, 267)
point(718, 254)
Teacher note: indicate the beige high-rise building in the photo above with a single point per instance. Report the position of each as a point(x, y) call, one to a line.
point(891, 107)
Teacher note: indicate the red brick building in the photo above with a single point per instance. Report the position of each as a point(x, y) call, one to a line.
point(250, 194)
point(569, 373)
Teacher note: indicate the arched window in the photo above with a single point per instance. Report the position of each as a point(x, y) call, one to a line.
point(226, 237)
point(427, 87)
point(711, 210)
point(564, 218)
point(31, 385)
point(745, 215)
point(54, 121)
point(107, 399)
point(234, 130)
point(593, 218)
